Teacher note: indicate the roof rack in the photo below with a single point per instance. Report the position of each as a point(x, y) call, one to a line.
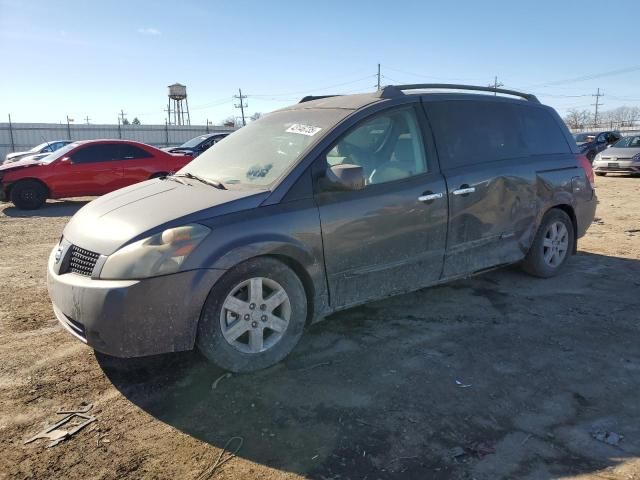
point(392, 91)
point(309, 98)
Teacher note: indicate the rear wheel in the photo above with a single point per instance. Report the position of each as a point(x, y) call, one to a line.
point(551, 246)
point(254, 316)
point(601, 174)
point(28, 195)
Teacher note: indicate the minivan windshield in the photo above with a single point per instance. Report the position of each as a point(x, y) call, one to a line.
point(61, 152)
point(628, 142)
point(264, 150)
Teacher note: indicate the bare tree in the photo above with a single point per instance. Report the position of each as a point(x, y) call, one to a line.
point(229, 121)
point(577, 119)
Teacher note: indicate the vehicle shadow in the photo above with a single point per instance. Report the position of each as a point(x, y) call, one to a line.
point(501, 375)
point(53, 208)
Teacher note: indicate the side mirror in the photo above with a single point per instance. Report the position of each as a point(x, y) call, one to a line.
point(344, 177)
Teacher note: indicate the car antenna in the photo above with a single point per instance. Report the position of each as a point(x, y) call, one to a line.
point(45, 140)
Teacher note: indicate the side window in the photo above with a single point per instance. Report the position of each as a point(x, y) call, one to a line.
point(601, 138)
point(541, 133)
point(96, 153)
point(130, 152)
point(388, 147)
point(48, 148)
point(470, 132)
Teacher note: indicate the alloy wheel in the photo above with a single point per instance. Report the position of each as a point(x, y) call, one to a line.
point(255, 315)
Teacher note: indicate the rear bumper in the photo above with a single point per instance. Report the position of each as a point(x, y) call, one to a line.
point(131, 318)
point(585, 213)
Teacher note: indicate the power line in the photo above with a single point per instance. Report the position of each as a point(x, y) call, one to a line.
point(590, 76)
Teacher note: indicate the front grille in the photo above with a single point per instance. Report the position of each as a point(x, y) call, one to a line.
point(82, 261)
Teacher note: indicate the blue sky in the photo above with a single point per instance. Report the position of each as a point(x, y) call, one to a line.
point(81, 58)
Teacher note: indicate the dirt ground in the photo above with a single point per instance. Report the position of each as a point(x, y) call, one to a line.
point(498, 376)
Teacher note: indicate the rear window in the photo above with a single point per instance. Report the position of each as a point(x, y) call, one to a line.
point(470, 132)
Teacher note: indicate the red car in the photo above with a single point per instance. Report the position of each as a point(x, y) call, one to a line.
point(85, 168)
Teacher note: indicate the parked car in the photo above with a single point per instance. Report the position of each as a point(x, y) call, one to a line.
point(592, 143)
point(622, 157)
point(92, 167)
point(197, 145)
point(318, 207)
point(46, 147)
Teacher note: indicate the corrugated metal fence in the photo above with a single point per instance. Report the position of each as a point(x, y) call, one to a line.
point(16, 137)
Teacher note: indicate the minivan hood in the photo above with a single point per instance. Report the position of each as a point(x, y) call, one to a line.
point(132, 213)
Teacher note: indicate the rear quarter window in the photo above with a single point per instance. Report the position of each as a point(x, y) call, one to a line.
point(541, 132)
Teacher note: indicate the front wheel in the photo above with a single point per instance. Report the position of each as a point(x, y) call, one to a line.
point(253, 317)
point(28, 195)
point(551, 246)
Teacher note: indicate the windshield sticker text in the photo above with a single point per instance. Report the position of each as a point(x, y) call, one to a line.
point(308, 130)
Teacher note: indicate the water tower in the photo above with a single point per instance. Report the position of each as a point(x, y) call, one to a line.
point(180, 110)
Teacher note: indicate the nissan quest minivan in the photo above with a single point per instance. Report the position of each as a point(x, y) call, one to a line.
point(318, 207)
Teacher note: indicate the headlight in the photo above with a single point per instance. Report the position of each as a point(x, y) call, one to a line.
point(159, 254)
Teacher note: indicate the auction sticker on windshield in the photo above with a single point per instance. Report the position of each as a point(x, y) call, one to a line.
point(308, 130)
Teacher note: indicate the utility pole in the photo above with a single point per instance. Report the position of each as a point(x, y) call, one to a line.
point(69, 120)
point(378, 76)
point(86, 119)
point(241, 105)
point(13, 145)
point(597, 105)
point(496, 85)
point(121, 115)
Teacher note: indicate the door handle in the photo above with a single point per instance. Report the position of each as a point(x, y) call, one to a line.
point(464, 190)
point(429, 197)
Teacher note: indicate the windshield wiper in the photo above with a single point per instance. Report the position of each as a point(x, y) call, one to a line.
point(213, 183)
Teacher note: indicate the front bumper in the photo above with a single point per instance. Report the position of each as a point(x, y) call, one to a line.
point(620, 166)
point(131, 318)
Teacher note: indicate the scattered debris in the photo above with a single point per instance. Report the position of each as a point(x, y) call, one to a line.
point(56, 434)
point(526, 439)
point(463, 385)
point(321, 364)
point(456, 452)
point(598, 221)
point(219, 379)
point(632, 232)
point(219, 462)
point(314, 457)
point(610, 438)
point(481, 449)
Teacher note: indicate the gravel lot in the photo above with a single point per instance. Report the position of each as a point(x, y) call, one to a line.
point(498, 376)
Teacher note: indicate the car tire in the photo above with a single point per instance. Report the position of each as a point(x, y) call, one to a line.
point(28, 195)
point(234, 331)
point(551, 246)
point(601, 174)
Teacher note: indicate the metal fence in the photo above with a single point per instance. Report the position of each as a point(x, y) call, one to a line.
point(16, 137)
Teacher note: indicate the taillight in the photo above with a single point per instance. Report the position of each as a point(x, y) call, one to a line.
point(588, 169)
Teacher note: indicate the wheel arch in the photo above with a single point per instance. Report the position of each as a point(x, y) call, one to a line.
point(20, 180)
